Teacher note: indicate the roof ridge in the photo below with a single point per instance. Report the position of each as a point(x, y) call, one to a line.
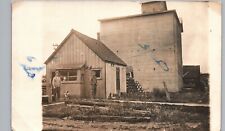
point(102, 44)
point(101, 50)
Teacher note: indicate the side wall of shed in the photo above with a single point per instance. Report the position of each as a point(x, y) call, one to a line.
point(111, 79)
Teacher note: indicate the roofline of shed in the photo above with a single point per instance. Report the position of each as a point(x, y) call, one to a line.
point(115, 63)
point(60, 45)
point(100, 56)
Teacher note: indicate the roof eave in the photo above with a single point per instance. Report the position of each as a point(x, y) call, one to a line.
point(73, 31)
point(122, 64)
point(139, 15)
point(136, 15)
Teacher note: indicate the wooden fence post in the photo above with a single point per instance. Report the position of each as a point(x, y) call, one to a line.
point(166, 91)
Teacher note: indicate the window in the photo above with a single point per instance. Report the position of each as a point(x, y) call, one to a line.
point(68, 74)
point(97, 73)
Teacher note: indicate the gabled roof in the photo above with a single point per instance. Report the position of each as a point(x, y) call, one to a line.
point(95, 45)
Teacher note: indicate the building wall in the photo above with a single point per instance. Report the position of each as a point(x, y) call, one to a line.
point(156, 34)
point(73, 88)
point(74, 51)
point(177, 36)
point(111, 79)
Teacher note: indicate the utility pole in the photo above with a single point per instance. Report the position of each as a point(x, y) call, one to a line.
point(55, 45)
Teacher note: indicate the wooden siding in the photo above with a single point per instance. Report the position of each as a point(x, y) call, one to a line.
point(177, 36)
point(111, 79)
point(74, 51)
point(73, 88)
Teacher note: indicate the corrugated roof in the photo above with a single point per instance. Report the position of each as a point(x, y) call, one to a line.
point(96, 46)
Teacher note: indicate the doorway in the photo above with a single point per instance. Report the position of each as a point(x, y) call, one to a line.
point(87, 83)
point(118, 81)
point(52, 89)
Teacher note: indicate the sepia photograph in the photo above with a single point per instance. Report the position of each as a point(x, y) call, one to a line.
point(115, 65)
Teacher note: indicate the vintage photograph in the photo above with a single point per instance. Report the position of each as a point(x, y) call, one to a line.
point(114, 65)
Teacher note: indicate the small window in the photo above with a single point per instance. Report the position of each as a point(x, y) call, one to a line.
point(97, 73)
point(68, 74)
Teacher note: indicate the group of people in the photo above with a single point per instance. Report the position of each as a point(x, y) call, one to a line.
point(57, 82)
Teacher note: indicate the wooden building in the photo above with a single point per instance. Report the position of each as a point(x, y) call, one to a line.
point(191, 76)
point(76, 57)
point(150, 42)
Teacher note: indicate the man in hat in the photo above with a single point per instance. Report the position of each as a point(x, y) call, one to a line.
point(56, 83)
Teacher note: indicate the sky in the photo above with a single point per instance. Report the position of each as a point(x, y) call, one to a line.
point(49, 22)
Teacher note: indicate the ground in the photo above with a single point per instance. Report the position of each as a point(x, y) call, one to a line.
point(186, 95)
point(125, 115)
point(78, 125)
point(187, 110)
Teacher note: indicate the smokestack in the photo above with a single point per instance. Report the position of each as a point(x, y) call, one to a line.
point(55, 45)
point(98, 36)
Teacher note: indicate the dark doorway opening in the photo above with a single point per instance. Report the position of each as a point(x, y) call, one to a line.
point(118, 80)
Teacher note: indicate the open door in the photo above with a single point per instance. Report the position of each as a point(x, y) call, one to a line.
point(87, 83)
point(53, 95)
point(118, 81)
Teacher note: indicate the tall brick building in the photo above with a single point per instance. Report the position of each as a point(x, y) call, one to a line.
point(150, 42)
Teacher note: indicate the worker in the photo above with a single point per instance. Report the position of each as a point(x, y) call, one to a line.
point(56, 83)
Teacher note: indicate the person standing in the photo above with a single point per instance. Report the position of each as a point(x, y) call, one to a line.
point(56, 83)
point(93, 84)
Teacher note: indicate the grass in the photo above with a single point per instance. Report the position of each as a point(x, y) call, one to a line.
point(184, 96)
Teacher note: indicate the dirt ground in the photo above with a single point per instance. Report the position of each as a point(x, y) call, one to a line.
point(99, 115)
point(65, 124)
